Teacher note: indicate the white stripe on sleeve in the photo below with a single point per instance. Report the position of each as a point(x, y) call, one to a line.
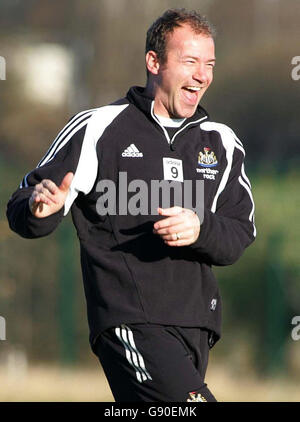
point(87, 169)
point(71, 127)
point(230, 142)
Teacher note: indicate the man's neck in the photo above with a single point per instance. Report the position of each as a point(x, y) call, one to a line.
point(169, 122)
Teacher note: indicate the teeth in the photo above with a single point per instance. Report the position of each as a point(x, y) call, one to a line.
point(193, 88)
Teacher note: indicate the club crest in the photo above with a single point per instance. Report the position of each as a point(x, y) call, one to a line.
point(207, 158)
point(196, 397)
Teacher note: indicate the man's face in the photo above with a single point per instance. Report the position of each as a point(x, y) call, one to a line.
point(185, 75)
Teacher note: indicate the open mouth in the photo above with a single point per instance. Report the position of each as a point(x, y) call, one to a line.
point(192, 88)
point(191, 94)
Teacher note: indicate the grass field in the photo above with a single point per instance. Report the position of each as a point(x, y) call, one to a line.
point(40, 383)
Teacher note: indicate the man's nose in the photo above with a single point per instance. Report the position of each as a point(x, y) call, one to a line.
point(201, 74)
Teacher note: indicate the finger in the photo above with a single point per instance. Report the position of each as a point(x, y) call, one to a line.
point(170, 211)
point(187, 235)
point(180, 242)
point(66, 182)
point(170, 237)
point(167, 222)
point(188, 211)
point(176, 228)
point(51, 186)
point(46, 193)
point(36, 199)
point(38, 206)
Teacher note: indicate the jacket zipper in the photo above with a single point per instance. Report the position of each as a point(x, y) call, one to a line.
point(171, 141)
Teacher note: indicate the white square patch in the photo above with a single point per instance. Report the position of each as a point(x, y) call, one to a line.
point(173, 169)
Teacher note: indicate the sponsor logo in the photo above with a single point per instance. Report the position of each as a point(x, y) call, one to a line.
point(196, 397)
point(207, 158)
point(132, 151)
point(208, 173)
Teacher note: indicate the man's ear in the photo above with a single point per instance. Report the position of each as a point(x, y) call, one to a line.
point(152, 62)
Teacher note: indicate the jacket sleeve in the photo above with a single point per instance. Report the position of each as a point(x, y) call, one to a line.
point(228, 226)
point(63, 156)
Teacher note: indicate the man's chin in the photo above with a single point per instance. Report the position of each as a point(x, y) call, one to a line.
point(186, 114)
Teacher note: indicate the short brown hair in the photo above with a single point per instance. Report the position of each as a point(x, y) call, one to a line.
point(171, 19)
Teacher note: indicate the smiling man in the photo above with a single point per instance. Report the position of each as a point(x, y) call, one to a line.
point(154, 308)
point(179, 79)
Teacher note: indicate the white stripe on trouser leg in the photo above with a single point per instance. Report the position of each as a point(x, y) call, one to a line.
point(133, 356)
point(140, 357)
point(141, 376)
point(128, 354)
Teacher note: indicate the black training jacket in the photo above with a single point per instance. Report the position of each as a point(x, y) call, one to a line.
point(130, 275)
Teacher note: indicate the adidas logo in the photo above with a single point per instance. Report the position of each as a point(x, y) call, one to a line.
point(132, 151)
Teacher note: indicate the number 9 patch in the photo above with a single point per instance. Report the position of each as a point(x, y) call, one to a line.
point(173, 169)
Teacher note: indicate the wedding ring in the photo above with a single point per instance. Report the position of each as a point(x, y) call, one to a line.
point(177, 236)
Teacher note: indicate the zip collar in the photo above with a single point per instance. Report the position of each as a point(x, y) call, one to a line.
point(171, 141)
point(137, 96)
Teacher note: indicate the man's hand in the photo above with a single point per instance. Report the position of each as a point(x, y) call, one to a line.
point(180, 228)
point(47, 198)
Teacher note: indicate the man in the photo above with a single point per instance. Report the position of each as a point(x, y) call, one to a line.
point(153, 303)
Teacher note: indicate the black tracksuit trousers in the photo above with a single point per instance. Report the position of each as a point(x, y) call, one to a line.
point(155, 363)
